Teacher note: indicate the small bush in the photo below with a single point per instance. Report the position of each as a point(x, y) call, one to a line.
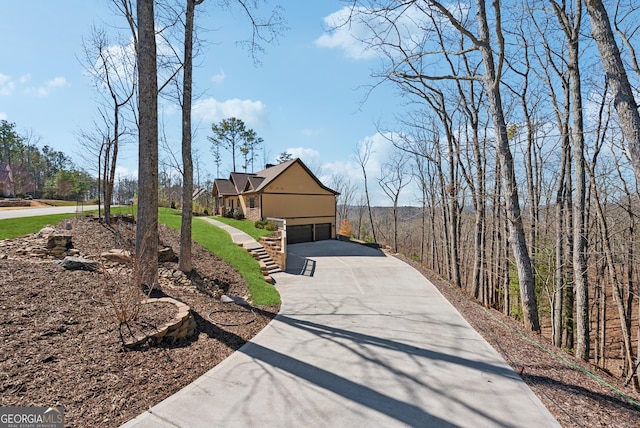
point(345, 228)
point(238, 215)
point(271, 226)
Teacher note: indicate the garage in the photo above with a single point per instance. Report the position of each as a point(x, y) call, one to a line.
point(300, 233)
point(323, 231)
point(308, 233)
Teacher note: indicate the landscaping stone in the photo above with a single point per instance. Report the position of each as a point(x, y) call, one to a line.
point(46, 231)
point(59, 241)
point(78, 263)
point(181, 326)
point(117, 255)
point(166, 254)
point(234, 299)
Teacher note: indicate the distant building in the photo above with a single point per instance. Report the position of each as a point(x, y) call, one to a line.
point(288, 190)
point(7, 184)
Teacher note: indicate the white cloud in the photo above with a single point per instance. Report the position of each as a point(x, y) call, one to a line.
point(306, 154)
point(357, 30)
point(6, 84)
point(24, 78)
point(118, 60)
point(3, 115)
point(348, 38)
point(124, 172)
point(218, 78)
point(48, 87)
point(381, 150)
point(252, 113)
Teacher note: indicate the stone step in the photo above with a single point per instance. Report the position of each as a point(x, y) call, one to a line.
point(267, 265)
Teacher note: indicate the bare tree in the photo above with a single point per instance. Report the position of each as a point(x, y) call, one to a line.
point(186, 264)
point(362, 155)
point(408, 64)
point(111, 67)
point(621, 89)
point(147, 224)
point(393, 178)
point(346, 194)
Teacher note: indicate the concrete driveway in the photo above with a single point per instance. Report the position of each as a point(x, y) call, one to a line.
point(362, 340)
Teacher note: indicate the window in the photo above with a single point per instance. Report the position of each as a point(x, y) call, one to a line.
point(252, 202)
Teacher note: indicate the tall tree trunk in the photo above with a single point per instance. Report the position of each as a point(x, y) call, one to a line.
point(613, 277)
point(514, 217)
point(186, 264)
point(147, 225)
point(557, 321)
point(579, 204)
point(624, 101)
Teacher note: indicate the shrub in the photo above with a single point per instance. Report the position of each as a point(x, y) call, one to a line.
point(271, 226)
point(238, 215)
point(345, 228)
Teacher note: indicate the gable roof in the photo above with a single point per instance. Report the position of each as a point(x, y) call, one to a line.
point(242, 182)
point(225, 187)
point(273, 172)
point(253, 183)
point(239, 180)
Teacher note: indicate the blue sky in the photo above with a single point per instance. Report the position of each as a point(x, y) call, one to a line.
point(305, 98)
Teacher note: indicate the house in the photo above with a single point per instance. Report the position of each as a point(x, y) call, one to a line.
point(289, 191)
point(7, 185)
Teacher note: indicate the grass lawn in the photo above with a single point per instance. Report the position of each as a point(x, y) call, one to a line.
point(210, 237)
point(14, 227)
point(247, 226)
point(219, 242)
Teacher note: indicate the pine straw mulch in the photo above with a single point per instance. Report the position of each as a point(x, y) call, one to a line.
point(561, 381)
point(60, 343)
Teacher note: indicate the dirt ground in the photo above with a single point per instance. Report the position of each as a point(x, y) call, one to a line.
point(61, 344)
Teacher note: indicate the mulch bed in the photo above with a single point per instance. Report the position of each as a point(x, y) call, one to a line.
point(60, 342)
point(561, 381)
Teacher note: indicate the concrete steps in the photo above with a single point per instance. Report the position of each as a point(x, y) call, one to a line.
point(267, 265)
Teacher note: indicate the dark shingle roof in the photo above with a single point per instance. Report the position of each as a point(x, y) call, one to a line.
point(225, 187)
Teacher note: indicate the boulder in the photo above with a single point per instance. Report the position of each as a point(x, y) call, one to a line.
point(59, 241)
point(46, 231)
point(166, 254)
point(118, 255)
point(234, 299)
point(78, 263)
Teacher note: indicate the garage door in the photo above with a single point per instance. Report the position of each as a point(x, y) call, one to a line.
point(323, 231)
point(298, 234)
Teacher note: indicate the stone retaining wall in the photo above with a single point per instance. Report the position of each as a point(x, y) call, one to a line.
point(181, 326)
point(273, 246)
